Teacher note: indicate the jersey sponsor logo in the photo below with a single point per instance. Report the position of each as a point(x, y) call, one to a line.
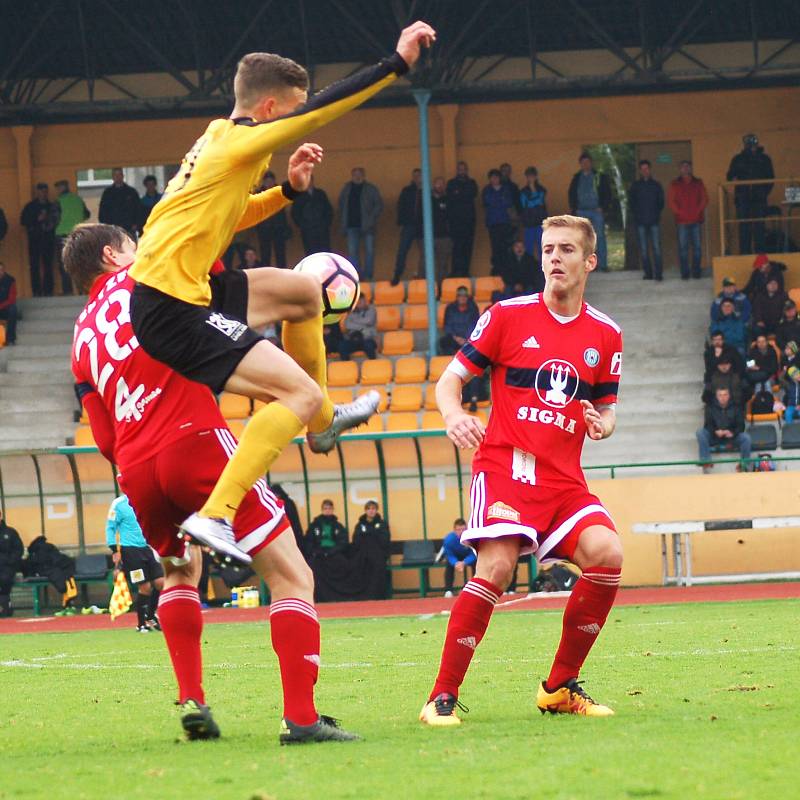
point(500, 510)
point(546, 417)
point(616, 364)
point(561, 380)
point(468, 641)
point(230, 327)
point(530, 343)
point(591, 357)
point(480, 326)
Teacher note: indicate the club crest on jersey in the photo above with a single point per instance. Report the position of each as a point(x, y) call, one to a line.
point(557, 383)
point(591, 357)
point(500, 510)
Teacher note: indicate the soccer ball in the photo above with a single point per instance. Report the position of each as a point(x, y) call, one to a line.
point(339, 279)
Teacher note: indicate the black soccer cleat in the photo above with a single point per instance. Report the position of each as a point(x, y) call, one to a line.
point(325, 729)
point(197, 721)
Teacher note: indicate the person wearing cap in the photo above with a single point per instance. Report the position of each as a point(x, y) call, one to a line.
point(40, 218)
point(751, 164)
point(788, 329)
point(768, 308)
point(742, 305)
point(763, 270)
point(73, 211)
point(150, 197)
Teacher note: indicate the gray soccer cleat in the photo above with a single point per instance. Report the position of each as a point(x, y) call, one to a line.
point(345, 417)
point(216, 534)
point(325, 729)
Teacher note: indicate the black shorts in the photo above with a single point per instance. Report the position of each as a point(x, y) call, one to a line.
point(140, 565)
point(202, 343)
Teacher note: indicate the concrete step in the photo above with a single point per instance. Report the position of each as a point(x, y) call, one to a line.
point(62, 326)
point(24, 350)
point(36, 303)
point(37, 314)
point(45, 364)
point(18, 428)
point(35, 338)
point(23, 402)
point(61, 377)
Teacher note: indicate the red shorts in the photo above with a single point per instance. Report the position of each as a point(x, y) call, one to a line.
point(548, 521)
point(177, 481)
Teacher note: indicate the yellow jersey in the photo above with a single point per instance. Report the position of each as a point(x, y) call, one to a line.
point(209, 198)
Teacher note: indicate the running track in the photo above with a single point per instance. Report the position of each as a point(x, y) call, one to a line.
point(727, 593)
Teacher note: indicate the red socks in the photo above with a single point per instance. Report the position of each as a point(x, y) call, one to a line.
point(584, 617)
point(468, 622)
point(295, 638)
point(182, 623)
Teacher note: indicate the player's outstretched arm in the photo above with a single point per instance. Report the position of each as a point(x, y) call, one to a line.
point(600, 421)
point(462, 428)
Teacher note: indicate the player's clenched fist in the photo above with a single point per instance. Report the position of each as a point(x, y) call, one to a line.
point(464, 430)
point(419, 34)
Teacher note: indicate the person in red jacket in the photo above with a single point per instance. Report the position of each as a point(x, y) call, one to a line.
point(687, 197)
point(8, 304)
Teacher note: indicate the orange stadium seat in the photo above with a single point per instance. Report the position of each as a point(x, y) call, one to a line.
point(417, 291)
point(416, 318)
point(449, 287)
point(485, 285)
point(2, 335)
point(388, 318)
point(794, 294)
point(412, 369)
point(402, 421)
point(406, 398)
point(432, 421)
point(234, 406)
point(381, 390)
point(376, 371)
point(430, 398)
point(397, 343)
point(83, 437)
point(388, 295)
point(237, 427)
point(367, 290)
point(373, 425)
point(342, 373)
point(441, 308)
point(340, 395)
point(437, 366)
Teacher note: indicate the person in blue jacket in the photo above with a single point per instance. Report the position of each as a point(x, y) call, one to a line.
point(457, 556)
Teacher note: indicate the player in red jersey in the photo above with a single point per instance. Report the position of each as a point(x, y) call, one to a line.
point(556, 365)
point(170, 442)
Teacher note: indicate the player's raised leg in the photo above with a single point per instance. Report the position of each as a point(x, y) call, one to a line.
point(599, 556)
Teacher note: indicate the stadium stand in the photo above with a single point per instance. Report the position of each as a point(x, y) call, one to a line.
point(388, 318)
point(388, 295)
point(376, 371)
point(411, 369)
point(397, 343)
point(342, 373)
point(234, 406)
point(417, 291)
point(415, 318)
point(406, 398)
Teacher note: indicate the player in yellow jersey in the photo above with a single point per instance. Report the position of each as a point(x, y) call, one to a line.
point(203, 205)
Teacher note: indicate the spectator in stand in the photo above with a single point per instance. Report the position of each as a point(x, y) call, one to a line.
point(360, 205)
point(498, 204)
point(120, 205)
point(687, 199)
point(458, 557)
point(312, 212)
point(724, 425)
point(11, 551)
point(442, 243)
point(360, 330)
point(724, 377)
point(751, 164)
point(740, 301)
point(40, 219)
point(718, 350)
point(332, 337)
point(788, 329)
point(461, 194)
point(533, 210)
point(505, 178)
point(8, 304)
point(409, 218)
point(325, 535)
point(371, 525)
point(273, 232)
point(46, 560)
point(521, 268)
point(646, 199)
point(764, 270)
point(762, 364)
point(150, 197)
point(460, 317)
point(791, 383)
point(731, 325)
point(590, 197)
point(768, 308)
point(250, 259)
point(72, 211)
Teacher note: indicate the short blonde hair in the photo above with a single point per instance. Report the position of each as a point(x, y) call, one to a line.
point(259, 74)
point(588, 235)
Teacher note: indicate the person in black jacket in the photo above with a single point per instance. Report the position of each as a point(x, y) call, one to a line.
point(646, 199)
point(409, 218)
point(3, 225)
point(40, 219)
point(462, 191)
point(312, 212)
point(788, 329)
point(533, 211)
point(762, 364)
point(520, 267)
point(590, 197)
point(325, 535)
point(751, 164)
point(11, 551)
point(763, 272)
point(120, 204)
point(442, 243)
point(724, 425)
point(371, 549)
point(372, 526)
point(274, 231)
point(49, 562)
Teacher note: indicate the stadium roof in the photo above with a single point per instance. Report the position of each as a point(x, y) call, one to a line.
point(54, 54)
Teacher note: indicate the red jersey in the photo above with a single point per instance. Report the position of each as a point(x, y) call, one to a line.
point(151, 406)
point(541, 369)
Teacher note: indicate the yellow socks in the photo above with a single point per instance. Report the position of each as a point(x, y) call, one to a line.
point(303, 342)
point(266, 435)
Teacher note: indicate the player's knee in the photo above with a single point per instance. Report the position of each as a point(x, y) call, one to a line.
point(309, 295)
point(310, 398)
point(305, 580)
point(500, 572)
point(610, 553)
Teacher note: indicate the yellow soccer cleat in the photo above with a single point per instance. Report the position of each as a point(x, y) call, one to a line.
point(570, 699)
point(441, 711)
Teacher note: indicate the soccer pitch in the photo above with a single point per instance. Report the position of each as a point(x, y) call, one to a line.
point(707, 699)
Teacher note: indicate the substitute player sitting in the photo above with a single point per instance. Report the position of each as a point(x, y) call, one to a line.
point(556, 365)
point(170, 442)
point(202, 207)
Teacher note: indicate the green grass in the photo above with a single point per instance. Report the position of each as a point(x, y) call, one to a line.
point(707, 700)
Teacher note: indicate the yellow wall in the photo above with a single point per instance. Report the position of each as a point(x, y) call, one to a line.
point(546, 133)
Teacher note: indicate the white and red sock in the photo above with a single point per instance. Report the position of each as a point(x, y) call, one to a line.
point(469, 619)
point(182, 624)
point(294, 627)
point(584, 617)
